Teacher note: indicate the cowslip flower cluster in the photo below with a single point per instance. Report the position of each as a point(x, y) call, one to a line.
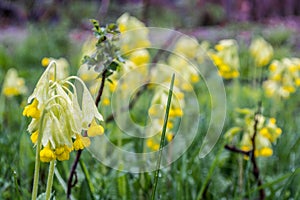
point(13, 84)
point(226, 58)
point(186, 52)
point(266, 134)
point(134, 42)
point(134, 34)
point(284, 77)
point(261, 51)
point(61, 114)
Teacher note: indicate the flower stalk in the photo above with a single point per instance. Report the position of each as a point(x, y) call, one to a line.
point(50, 179)
point(37, 160)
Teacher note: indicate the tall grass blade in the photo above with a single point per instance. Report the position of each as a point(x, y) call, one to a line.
point(162, 140)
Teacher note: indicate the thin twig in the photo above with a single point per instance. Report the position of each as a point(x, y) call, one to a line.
point(100, 92)
point(252, 155)
point(237, 150)
point(76, 161)
point(72, 174)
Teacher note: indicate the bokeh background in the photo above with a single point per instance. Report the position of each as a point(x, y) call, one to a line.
point(33, 29)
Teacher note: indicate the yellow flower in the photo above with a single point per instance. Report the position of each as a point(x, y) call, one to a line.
point(186, 87)
point(261, 51)
point(284, 77)
point(95, 129)
point(186, 46)
point(134, 33)
point(112, 86)
point(45, 61)
point(278, 131)
point(289, 88)
point(152, 145)
point(265, 132)
point(63, 153)
point(297, 81)
point(226, 58)
point(140, 57)
point(176, 112)
point(169, 137)
point(13, 85)
point(155, 147)
point(268, 132)
point(265, 152)
point(194, 78)
point(64, 115)
point(34, 136)
point(32, 110)
point(170, 124)
point(179, 95)
point(81, 142)
point(273, 67)
point(47, 154)
point(272, 120)
point(149, 142)
point(105, 101)
point(216, 59)
point(246, 148)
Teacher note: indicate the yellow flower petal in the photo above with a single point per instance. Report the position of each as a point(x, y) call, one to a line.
point(81, 142)
point(266, 152)
point(63, 153)
point(32, 110)
point(47, 155)
point(95, 129)
point(34, 136)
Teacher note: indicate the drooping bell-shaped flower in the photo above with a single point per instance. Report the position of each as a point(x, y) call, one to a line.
point(62, 112)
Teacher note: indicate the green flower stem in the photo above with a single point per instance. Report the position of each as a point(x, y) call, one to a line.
point(162, 141)
point(37, 159)
point(50, 179)
point(36, 171)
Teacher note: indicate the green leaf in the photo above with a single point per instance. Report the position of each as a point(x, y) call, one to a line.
point(108, 73)
point(113, 66)
point(110, 81)
point(95, 24)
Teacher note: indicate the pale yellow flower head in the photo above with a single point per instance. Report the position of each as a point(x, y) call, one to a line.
point(226, 58)
point(140, 57)
point(267, 132)
point(261, 51)
point(60, 114)
point(187, 47)
point(284, 77)
point(134, 34)
point(13, 85)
